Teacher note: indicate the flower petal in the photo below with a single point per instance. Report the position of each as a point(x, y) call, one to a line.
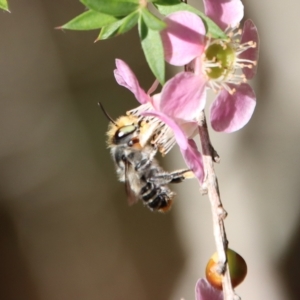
point(188, 147)
point(183, 96)
point(153, 87)
point(224, 12)
point(193, 159)
point(230, 113)
point(125, 77)
point(250, 34)
point(184, 37)
point(190, 129)
point(180, 137)
point(204, 291)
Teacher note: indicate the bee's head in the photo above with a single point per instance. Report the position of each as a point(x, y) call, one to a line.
point(125, 134)
point(124, 131)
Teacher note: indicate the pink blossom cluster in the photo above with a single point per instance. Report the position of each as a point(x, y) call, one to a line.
point(220, 65)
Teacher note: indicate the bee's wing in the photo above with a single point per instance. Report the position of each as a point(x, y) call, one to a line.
point(131, 195)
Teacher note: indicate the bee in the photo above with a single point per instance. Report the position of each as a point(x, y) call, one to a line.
point(136, 165)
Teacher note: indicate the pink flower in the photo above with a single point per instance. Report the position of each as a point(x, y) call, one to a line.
point(222, 65)
point(204, 291)
point(224, 12)
point(175, 111)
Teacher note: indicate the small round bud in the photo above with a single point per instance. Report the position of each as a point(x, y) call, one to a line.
point(237, 268)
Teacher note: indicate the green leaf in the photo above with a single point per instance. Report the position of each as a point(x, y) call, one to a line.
point(211, 27)
point(109, 31)
point(153, 50)
point(118, 27)
point(128, 22)
point(117, 8)
point(166, 2)
point(4, 5)
point(89, 20)
point(151, 21)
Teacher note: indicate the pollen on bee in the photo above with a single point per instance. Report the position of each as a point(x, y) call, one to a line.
point(189, 174)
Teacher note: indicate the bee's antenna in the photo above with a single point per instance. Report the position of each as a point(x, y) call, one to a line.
point(106, 114)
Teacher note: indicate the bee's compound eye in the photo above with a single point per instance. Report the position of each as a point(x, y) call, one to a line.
point(124, 134)
point(125, 130)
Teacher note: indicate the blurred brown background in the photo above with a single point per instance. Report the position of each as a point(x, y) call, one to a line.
point(66, 232)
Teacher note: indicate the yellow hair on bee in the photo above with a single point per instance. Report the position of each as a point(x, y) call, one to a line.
point(144, 128)
point(121, 122)
point(147, 131)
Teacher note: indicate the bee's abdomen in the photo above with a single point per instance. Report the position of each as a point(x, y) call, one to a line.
point(156, 197)
point(149, 191)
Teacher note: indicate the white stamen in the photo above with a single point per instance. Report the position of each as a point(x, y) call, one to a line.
point(231, 73)
point(156, 132)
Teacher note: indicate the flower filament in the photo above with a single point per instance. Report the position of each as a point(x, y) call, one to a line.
point(153, 129)
point(222, 63)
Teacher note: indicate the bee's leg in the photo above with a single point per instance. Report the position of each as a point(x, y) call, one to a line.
point(153, 152)
point(173, 177)
point(180, 175)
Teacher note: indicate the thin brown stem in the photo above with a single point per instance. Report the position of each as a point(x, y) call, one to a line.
point(211, 187)
point(218, 212)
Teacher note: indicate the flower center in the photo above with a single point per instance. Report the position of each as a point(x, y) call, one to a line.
point(222, 58)
point(222, 62)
